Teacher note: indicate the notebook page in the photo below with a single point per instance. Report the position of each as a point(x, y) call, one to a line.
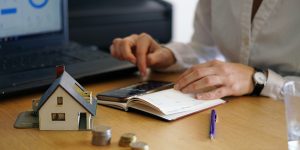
point(175, 116)
point(171, 101)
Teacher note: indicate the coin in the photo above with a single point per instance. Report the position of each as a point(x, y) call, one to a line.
point(101, 135)
point(139, 146)
point(126, 139)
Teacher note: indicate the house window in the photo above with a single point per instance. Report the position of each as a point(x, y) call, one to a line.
point(58, 116)
point(59, 100)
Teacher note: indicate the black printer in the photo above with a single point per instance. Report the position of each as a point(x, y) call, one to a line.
point(98, 22)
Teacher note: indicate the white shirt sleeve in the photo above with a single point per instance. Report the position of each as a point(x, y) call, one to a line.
point(274, 86)
point(202, 47)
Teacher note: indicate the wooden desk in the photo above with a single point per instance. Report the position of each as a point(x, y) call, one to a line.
point(244, 123)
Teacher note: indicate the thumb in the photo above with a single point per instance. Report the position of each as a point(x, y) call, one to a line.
point(160, 59)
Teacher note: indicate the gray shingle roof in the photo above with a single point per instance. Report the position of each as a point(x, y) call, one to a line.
point(67, 82)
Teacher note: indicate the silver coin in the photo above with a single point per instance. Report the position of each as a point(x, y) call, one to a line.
point(101, 135)
point(139, 146)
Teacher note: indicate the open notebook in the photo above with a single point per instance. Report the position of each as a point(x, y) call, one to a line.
point(167, 104)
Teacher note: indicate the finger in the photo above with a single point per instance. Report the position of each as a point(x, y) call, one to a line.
point(115, 48)
point(185, 73)
point(205, 84)
point(195, 75)
point(193, 69)
point(127, 51)
point(112, 50)
point(115, 53)
point(132, 38)
point(180, 81)
point(142, 47)
point(214, 94)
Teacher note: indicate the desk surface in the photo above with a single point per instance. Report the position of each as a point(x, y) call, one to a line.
point(244, 123)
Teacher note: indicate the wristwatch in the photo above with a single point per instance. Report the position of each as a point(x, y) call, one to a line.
point(259, 81)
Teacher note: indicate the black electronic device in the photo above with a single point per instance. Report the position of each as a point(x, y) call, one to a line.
point(34, 39)
point(100, 21)
point(125, 93)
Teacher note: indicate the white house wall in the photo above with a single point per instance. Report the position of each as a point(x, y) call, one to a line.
point(70, 107)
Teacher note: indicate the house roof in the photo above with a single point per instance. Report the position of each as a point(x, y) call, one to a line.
point(67, 83)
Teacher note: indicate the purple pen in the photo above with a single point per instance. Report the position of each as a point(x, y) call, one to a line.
point(213, 118)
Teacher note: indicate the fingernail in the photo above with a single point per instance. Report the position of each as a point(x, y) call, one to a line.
point(198, 96)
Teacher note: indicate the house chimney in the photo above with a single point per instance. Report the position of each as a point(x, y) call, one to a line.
point(60, 70)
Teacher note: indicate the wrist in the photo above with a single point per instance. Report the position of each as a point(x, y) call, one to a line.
point(259, 78)
point(170, 54)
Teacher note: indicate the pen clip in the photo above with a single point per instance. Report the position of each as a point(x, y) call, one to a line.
point(216, 118)
point(213, 120)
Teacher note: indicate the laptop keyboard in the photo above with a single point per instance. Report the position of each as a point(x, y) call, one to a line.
point(49, 57)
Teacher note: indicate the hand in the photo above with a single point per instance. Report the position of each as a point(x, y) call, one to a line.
point(215, 79)
point(143, 51)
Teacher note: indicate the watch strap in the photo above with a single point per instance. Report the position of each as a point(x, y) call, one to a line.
point(257, 87)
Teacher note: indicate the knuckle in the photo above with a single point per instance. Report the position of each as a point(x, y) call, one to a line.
point(124, 43)
point(133, 35)
point(235, 87)
point(145, 35)
point(198, 72)
point(116, 40)
point(208, 81)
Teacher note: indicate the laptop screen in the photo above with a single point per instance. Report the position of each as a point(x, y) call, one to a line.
point(20, 18)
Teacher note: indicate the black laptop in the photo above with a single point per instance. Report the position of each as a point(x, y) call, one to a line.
point(34, 39)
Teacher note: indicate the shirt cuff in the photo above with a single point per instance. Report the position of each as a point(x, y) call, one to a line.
point(274, 85)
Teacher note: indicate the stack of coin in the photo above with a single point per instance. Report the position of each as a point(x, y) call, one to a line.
point(101, 135)
point(139, 146)
point(126, 139)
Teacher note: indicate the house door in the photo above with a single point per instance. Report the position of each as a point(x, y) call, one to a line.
point(82, 121)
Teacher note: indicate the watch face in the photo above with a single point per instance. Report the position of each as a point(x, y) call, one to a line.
point(260, 78)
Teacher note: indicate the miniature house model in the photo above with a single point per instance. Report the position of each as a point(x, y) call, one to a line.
point(66, 105)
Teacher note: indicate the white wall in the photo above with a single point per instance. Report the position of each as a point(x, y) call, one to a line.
point(184, 11)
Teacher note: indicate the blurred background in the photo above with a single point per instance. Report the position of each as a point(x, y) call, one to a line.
point(100, 21)
point(183, 16)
